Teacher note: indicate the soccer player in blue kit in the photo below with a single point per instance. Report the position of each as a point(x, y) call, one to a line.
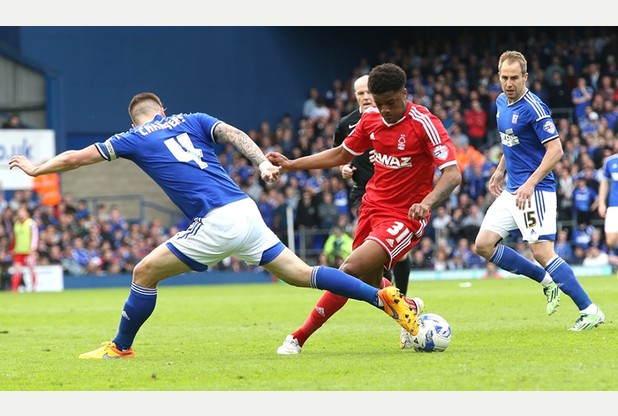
point(178, 153)
point(525, 191)
point(608, 201)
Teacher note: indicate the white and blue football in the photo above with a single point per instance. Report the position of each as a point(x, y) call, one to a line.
point(434, 334)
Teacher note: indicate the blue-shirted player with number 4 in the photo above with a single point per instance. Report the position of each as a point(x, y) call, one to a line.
point(525, 191)
point(177, 152)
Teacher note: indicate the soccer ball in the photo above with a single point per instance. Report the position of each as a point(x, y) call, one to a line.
point(434, 334)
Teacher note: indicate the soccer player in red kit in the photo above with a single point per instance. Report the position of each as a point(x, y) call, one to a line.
point(410, 143)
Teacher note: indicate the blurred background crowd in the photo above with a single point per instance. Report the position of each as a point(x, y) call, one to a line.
point(575, 74)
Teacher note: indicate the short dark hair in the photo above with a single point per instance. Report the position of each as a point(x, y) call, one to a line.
point(143, 101)
point(386, 78)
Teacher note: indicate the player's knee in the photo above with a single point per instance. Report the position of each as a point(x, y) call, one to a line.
point(142, 275)
point(484, 249)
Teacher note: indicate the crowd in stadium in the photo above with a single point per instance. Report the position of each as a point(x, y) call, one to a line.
point(575, 72)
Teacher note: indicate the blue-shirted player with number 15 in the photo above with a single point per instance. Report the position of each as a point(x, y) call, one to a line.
point(525, 191)
point(177, 152)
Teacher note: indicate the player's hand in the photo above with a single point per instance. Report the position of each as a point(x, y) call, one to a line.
point(496, 184)
point(602, 210)
point(21, 162)
point(347, 171)
point(271, 173)
point(419, 211)
point(523, 196)
point(278, 159)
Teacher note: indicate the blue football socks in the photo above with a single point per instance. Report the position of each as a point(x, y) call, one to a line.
point(137, 309)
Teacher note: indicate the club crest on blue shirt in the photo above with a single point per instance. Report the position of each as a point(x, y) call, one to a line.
point(514, 118)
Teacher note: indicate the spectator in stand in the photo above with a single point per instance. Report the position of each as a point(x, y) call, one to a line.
point(610, 113)
point(337, 247)
point(606, 89)
point(581, 235)
point(455, 226)
point(267, 209)
point(82, 210)
point(464, 152)
point(581, 97)
point(48, 189)
point(475, 180)
point(471, 222)
point(14, 122)
point(596, 240)
point(563, 246)
point(475, 118)
point(327, 211)
point(591, 126)
point(311, 103)
point(117, 220)
point(440, 223)
point(307, 217)
point(585, 201)
point(558, 96)
point(539, 89)
point(554, 66)
point(564, 192)
point(440, 260)
point(595, 257)
point(252, 187)
point(593, 75)
point(420, 261)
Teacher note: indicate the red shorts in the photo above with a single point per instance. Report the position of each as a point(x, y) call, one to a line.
point(395, 232)
point(23, 259)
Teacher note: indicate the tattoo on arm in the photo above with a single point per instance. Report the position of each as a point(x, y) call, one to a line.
point(241, 141)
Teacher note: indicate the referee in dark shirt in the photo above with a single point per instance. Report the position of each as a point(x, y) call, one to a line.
point(360, 170)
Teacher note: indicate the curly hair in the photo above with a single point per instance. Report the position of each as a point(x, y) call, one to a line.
point(386, 78)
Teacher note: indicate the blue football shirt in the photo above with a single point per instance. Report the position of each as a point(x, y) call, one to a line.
point(178, 153)
point(610, 172)
point(525, 126)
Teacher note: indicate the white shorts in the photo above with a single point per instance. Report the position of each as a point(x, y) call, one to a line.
point(611, 220)
point(535, 223)
point(236, 229)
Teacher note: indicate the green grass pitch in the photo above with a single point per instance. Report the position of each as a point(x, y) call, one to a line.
point(224, 337)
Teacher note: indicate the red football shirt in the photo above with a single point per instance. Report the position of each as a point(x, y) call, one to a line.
point(407, 154)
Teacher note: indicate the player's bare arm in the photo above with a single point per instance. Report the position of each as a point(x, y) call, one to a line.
point(65, 161)
point(245, 145)
point(450, 179)
point(326, 159)
point(603, 191)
